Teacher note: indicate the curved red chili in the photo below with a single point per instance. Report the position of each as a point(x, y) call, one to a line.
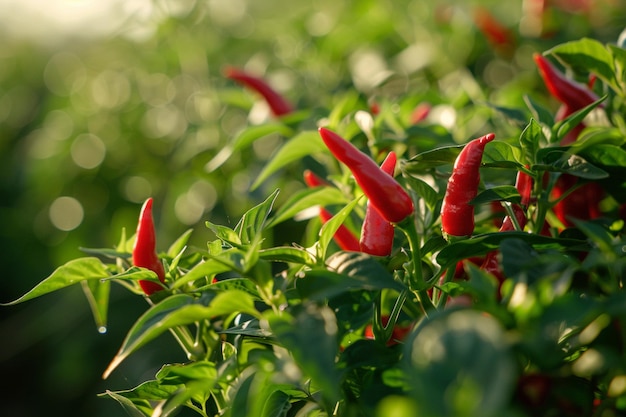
point(376, 232)
point(277, 103)
point(144, 249)
point(457, 214)
point(313, 180)
point(569, 92)
point(386, 195)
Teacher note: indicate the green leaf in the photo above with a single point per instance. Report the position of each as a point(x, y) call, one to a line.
point(516, 116)
point(330, 227)
point(72, 272)
point(310, 336)
point(432, 159)
point(502, 154)
point(563, 127)
point(481, 244)
point(606, 155)
point(288, 254)
point(245, 139)
point(499, 193)
point(229, 260)
point(305, 199)
point(303, 144)
point(179, 310)
point(464, 354)
point(277, 404)
point(425, 191)
point(530, 140)
point(127, 405)
point(179, 245)
point(587, 56)
point(347, 271)
point(540, 113)
point(253, 221)
point(225, 234)
point(97, 293)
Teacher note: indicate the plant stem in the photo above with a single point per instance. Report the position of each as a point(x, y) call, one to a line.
point(186, 341)
point(416, 281)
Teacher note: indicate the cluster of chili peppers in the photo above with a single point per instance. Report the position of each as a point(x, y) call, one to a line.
point(581, 203)
point(144, 250)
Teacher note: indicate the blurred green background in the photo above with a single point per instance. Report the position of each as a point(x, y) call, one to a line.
point(103, 104)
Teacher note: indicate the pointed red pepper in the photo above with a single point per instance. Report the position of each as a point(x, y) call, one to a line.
point(144, 249)
point(457, 214)
point(277, 103)
point(569, 92)
point(376, 232)
point(386, 195)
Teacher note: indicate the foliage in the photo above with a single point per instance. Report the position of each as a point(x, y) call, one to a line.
point(271, 315)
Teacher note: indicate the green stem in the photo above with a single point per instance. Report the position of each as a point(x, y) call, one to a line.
point(193, 350)
point(416, 281)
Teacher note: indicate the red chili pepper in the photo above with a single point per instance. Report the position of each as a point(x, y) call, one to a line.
point(343, 236)
point(376, 232)
point(457, 214)
point(495, 32)
point(144, 249)
point(420, 112)
point(569, 92)
point(312, 180)
point(383, 191)
point(277, 103)
point(582, 204)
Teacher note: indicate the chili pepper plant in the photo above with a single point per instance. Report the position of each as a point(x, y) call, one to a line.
point(436, 305)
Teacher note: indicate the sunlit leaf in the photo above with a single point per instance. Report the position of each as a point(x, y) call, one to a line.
point(303, 144)
point(72, 272)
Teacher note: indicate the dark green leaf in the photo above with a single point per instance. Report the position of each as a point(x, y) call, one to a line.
point(499, 193)
point(428, 160)
point(481, 244)
point(464, 354)
point(540, 113)
point(516, 116)
point(310, 335)
point(423, 190)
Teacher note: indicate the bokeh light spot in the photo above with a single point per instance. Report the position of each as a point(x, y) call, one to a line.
point(66, 213)
point(88, 151)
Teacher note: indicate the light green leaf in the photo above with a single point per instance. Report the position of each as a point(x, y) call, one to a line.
point(179, 245)
point(97, 293)
point(288, 254)
point(127, 405)
point(330, 227)
point(253, 221)
point(305, 199)
point(74, 271)
point(245, 139)
point(303, 144)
